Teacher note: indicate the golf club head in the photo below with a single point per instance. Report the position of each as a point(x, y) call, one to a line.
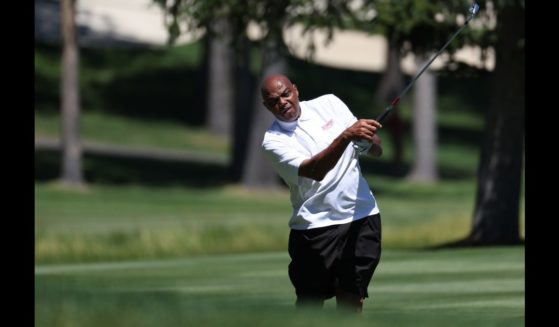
point(473, 10)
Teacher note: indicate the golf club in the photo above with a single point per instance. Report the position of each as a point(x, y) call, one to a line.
point(363, 146)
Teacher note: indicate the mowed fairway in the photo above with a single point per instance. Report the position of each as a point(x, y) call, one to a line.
point(451, 287)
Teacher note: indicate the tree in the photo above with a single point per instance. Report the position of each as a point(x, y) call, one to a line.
point(424, 126)
point(496, 214)
point(69, 89)
point(220, 80)
point(258, 172)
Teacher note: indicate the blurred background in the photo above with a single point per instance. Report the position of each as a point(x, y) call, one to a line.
point(155, 207)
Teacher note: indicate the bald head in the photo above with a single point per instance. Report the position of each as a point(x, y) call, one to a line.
point(280, 97)
point(273, 82)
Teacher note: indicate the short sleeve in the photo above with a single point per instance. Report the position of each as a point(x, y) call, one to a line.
point(284, 159)
point(341, 110)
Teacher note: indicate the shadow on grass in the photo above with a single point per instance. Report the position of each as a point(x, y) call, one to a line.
point(110, 169)
point(468, 242)
point(103, 169)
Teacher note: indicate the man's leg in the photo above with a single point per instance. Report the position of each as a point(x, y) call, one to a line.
point(348, 302)
point(360, 258)
point(309, 269)
point(309, 302)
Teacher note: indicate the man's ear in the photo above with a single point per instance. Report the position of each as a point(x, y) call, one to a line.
point(296, 90)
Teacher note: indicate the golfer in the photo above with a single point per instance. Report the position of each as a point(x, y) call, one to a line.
point(335, 238)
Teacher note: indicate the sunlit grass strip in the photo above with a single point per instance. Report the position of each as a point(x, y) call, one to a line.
point(431, 233)
point(146, 243)
point(101, 127)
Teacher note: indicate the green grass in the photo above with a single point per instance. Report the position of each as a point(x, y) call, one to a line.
point(106, 128)
point(464, 287)
point(106, 222)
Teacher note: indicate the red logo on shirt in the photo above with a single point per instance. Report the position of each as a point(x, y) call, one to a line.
point(328, 125)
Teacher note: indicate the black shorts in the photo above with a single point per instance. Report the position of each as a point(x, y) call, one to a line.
point(343, 256)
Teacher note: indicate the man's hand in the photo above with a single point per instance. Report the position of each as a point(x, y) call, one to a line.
point(363, 129)
point(367, 138)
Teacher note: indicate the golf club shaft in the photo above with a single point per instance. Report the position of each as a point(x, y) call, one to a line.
point(473, 10)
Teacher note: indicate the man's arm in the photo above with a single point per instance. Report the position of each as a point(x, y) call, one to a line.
point(320, 164)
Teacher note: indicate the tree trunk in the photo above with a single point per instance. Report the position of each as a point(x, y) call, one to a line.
point(71, 145)
point(496, 215)
point(424, 127)
point(243, 109)
point(390, 86)
point(258, 172)
point(220, 81)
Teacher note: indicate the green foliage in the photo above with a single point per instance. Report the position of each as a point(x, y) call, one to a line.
point(413, 25)
point(418, 26)
point(424, 24)
point(271, 16)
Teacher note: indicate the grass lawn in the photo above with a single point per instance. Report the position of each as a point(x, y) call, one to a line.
point(104, 128)
point(461, 287)
point(105, 222)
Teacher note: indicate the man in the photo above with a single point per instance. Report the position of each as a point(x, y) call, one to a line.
point(335, 235)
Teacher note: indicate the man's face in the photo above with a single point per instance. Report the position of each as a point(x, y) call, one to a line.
point(282, 99)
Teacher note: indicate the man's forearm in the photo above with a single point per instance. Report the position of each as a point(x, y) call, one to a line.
point(320, 164)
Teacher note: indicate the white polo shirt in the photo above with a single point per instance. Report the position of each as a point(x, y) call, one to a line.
point(343, 195)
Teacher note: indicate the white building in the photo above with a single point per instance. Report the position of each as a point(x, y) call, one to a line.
point(140, 22)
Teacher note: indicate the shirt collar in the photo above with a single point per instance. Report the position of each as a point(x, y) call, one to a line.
point(288, 125)
point(291, 125)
